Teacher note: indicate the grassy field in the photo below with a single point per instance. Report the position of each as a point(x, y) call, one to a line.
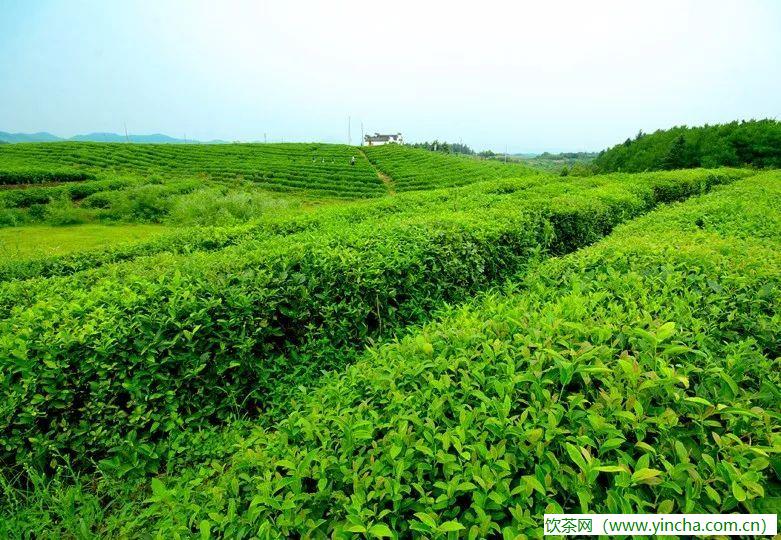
point(39, 242)
point(451, 353)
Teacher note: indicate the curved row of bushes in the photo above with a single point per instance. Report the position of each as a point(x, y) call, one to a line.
point(279, 223)
point(119, 358)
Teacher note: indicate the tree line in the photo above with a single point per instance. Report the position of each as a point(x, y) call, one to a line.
point(755, 143)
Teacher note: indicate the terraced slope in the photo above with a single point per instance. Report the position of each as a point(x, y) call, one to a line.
point(318, 168)
point(415, 169)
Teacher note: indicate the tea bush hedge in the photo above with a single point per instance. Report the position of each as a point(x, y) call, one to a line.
point(37, 176)
point(640, 375)
point(116, 361)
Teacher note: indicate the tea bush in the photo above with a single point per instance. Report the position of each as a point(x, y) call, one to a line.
point(639, 375)
point(120, 359)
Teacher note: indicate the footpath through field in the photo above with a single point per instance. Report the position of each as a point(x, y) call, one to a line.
point(390, 185)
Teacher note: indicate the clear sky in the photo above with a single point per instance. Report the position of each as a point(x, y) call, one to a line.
point(534, 76)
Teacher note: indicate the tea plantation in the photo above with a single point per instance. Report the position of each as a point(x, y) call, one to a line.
point(415, 169)
point(415, 345)
point(320, 168)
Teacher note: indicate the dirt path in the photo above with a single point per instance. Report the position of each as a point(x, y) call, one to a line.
point(390, 185)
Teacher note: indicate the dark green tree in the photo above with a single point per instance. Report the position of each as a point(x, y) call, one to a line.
point(676, 155)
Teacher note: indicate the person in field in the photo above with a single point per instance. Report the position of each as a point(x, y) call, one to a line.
point(352, 160)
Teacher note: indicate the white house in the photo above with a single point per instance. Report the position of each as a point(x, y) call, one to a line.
point(379, 140)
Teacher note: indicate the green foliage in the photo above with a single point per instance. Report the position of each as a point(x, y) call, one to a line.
point(37, 176)
point(223, 206)
point(416, 169)
point(676, 155)
point(756, 143)
point(444, 147)
point(116, 363)
point(108, 200)
point(638, 375)
point(576, 163)
point(62, 212)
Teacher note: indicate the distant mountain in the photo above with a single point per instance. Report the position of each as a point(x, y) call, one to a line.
point(28, 137)
point(156, 138)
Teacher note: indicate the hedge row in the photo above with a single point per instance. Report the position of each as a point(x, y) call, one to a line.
point(276, 224)
point(119, 359)
point(25, 198)
point(38, 176)
point(640, 375)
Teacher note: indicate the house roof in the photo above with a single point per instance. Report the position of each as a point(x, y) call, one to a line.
point(379, 137)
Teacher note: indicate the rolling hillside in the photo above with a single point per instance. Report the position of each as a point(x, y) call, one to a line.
point(416, 169)
point(315, 168)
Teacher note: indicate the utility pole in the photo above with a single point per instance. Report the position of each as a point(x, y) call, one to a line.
point(505, 153)
point(264, 138)
point(349, 138)
point(126, 137)
point(362, 136)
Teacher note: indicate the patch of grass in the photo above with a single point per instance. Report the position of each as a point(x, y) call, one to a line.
point(40, 241)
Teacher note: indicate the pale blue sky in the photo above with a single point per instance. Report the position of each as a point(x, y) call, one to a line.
point(530, 75)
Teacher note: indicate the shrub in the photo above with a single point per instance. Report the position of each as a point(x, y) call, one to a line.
point(63, 212)
point(219, 207)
